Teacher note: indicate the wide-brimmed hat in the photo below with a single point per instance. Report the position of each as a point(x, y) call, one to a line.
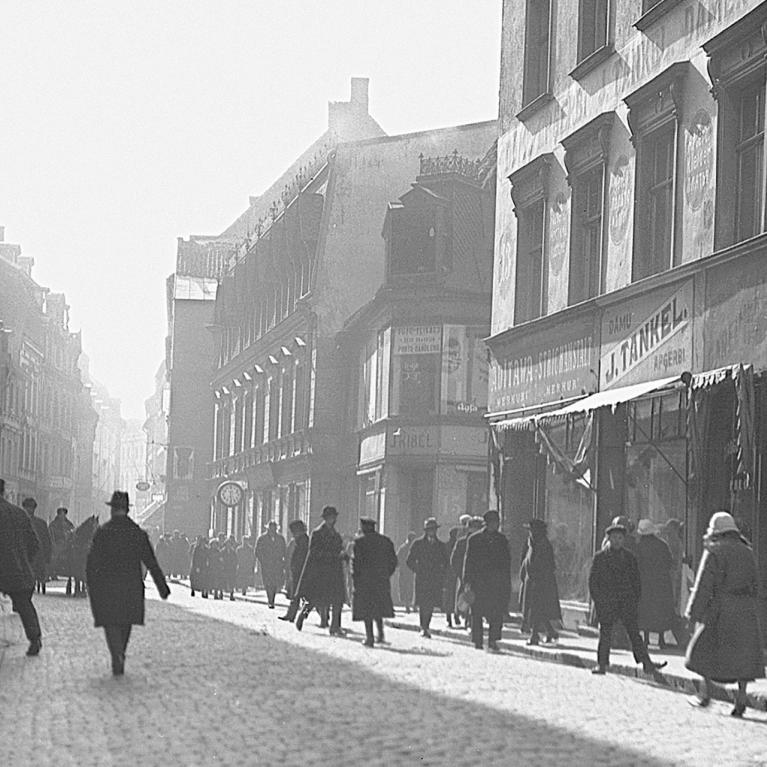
point(430, 522)
point(721, 522)
point(329, 511)
point(119, 500)
point(646, 527)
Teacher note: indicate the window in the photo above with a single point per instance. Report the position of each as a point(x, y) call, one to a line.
point(749, 159)
point(374, 380)
point(654, 114)
point(416, 354)
point(593, 29)
point(537, 50)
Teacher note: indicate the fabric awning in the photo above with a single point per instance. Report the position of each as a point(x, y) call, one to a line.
point(608, 398)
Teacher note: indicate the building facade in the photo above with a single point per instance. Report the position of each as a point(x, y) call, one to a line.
point(133, 465)
point(628, 328)
point(416, 358)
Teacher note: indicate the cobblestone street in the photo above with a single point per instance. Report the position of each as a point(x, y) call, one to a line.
point(227, 683)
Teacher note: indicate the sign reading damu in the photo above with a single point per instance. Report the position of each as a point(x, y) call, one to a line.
point(648, 337)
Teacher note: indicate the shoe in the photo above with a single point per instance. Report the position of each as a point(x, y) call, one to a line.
point(599, 670)
point(284, 618)
point(192, 594)
point(493, 647)
point(649, 667)
point(34, 647)
point(697, 702)
point(368, 643)
point(739, 710)
point(271, 607)
point(118, 665)
point(533, 641)
point(381, 640)
point(339, 632)
point(426, 634)
point(300, 621)
point(204, 595)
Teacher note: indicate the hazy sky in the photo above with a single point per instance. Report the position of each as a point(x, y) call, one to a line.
point(127, 124)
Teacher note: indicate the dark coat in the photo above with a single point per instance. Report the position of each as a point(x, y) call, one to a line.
point(322, 579)
point(114, 575)
point(373, 564)
point(164, 555)
point(18, 548)
point(614, 583)
point(199, 571)
point(270, 553)
point(230, 567)
point(727, 645)
point(487, 570)
point(457, 557)
point(406, 578)
point(216, 567)
point(246, 566)
point(298, 552)
point(429, 561)
point(540, 595)
point(60, 528)
point(656, 606)
point(43, 557)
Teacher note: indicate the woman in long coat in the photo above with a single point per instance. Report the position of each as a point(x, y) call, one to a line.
point(656, 604)
point(539, 594)
point(727, 645)
point(116, 580)
point(199, 568)
point(373, 564)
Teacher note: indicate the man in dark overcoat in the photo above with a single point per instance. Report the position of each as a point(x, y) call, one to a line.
point(115, 578)
point(199, 575)
point(297, 550)
point(270, 553)
point(406, 579)
point(373, 564)
point(457, 558)
point(540, 595)
point(487, 573)
point(43, 558)
point(615, 587)
point(59, 530)
point(322, 579)
point(428, 559)
point(18, 548)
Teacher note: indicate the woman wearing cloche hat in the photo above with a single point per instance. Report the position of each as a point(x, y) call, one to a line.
point(727, 645)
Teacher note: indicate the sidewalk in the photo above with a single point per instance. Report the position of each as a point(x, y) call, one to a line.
point(580, 650)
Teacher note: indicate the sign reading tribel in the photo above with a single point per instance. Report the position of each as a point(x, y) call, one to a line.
point(142, 487)
point(229, 493)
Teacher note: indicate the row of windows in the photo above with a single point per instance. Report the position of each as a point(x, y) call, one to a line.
point(24, 398)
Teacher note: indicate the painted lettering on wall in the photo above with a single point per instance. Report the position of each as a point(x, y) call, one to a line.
point(699, 159)
point(620, 195)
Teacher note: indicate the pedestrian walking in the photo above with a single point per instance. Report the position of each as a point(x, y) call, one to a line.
point(322, 580)
point(373, 562)
point(42, 559)
point(230, 566)
point(298, 549)
point(428, 559)
point(406, 579)
point(457, 558)
point(451, 582)
point(115, 578)
point(656, 605)
point(199, 574)
point(164, 554)
point(615, 587)
point(726, 646)
point(487, 574)
point(246, 565)
point(18, 549)
point(60, 529)
point(216, 567)
point(270, 554)
point(540, 595)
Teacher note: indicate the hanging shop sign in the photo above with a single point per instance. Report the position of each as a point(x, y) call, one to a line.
point(544, 367)
point(647, 337)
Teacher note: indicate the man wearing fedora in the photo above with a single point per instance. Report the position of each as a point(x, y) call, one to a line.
point(115, 578)
point(429, 560)
point(615, 587)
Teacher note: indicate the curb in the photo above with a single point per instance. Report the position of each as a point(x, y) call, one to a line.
point(671, 681)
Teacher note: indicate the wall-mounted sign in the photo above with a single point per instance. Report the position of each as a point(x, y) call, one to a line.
point(418, 339)
point(699, 158)
point(647, 337)
point(413, 440)
point(373, 448)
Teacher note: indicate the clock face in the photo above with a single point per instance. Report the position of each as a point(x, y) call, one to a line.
point(230, 494)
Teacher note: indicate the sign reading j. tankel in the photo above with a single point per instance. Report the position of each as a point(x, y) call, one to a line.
point(648, 337)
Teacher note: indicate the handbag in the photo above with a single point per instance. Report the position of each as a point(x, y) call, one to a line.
point(465, 600)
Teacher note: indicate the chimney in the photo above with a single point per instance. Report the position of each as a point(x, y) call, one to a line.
point(359, 99)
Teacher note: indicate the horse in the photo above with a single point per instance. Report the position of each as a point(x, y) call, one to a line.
point(76, 552)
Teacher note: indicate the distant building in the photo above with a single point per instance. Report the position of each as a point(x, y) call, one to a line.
point(133, 465)
point(156, 409)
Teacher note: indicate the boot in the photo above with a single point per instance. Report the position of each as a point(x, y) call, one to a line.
point(34, 647)
point(192, 592)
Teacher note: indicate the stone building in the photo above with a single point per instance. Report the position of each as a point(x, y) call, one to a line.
point(629, 316)
point(133, 465)
point(415, 358)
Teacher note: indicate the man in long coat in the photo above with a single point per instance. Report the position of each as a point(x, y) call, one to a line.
point(18, 548)
point(487, 572)
point(43, 558)
point(457, 558)
point(373, 564)
point(246, 565)
point(298, 548)
point(406, 579)
point(322, 579)
point(540, 595)
point(616, 588)
point(199, 568)
point(428, 559)
point(270, 553)
point(116, 580)
point(656, 605)
point(59, 530)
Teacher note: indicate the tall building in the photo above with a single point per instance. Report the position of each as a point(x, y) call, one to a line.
point(629, 321)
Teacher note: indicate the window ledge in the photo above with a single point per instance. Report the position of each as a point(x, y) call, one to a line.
point(592, 61)
point(659, 9)
point(536, 104)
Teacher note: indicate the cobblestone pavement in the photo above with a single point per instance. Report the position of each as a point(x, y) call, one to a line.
point(226, 683)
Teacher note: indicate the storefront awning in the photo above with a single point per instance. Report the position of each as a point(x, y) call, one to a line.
point(609, 398)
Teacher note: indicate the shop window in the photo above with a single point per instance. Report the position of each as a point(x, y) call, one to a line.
point(594, 35)
point(536, 83)
point(464, 370)
point(415, 369)
point(654, 115)
point(369, 495)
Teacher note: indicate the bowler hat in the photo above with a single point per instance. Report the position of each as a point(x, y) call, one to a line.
point(430, 522)
point(119, 500)
point(329, 511)
point(535, 524)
